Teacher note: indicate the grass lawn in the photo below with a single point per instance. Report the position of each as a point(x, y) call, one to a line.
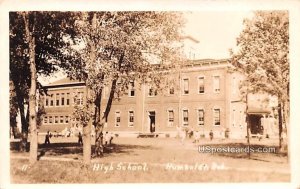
point(150, 160)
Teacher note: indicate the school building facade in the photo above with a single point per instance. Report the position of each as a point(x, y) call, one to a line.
point(206, 97)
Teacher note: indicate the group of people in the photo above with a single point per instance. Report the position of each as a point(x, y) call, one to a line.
point(183, 133)
point(107, 138)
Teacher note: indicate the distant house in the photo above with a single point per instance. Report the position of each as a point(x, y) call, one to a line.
point(205, 97)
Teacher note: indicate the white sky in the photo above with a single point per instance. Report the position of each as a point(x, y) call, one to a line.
point(216, 30)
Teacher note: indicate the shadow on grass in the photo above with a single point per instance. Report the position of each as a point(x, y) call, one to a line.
point(273, 151)
point(72, 148)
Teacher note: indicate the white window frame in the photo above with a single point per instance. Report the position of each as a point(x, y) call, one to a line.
point(67, 119)
point(214, 123)
point(201, 77)
point(68, 99)
point(63, 119)
point(45, 120)
point(216, 90)
point(188, 86)
point(47, 100)
point(52, 100)
point(131, 88)
point(55, 119)
point(57, 99)
point(117, 111)
point(51, 117)
point(198, 117)
point(185, 123)
point(130, 124)
point(170, 124)
point(154, 91)
point(62, 99)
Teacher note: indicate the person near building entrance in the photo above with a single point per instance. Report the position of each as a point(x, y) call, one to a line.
point(152, 127)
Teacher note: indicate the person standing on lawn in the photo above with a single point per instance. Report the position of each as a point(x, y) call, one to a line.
point(79, 138)
point(47, 138)
point(211, 135)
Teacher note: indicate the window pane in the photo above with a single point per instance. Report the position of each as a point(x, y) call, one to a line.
point(67, 119)
point(57, 99)
point(61, 119)
point(201, 117)
point(131, 89)
point(217, 116)
point(185, 86)
point(201, 85)
point(56, 119)
point(45, 120)
point(50, 119)
point(185, 117)
point(118, 119)
point(62, 99)
point(68, 99)
point(216, 83)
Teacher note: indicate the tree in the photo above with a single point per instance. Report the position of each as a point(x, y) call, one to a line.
point(116, 48)
point(262, 56)
point(36, 40)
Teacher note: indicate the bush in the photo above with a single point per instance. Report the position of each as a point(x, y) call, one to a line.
point(167, 135)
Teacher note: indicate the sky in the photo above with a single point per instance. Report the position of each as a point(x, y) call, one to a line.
point(216, 31)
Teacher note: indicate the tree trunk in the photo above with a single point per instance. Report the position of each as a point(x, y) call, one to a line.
point(280, 125)
point(32, 93)
point(248, 127)
point(24, 123)
point(87, 144)
point(98, 126)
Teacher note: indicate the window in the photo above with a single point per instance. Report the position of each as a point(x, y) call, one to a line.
point(79, 98)
point(186, 86)
point(216, 84)
point(185, 118)
point(243, 117)
point(131, 89)
point(56, 119)
point(50, 119)
point(51, 100)
point(152, 91)
point(66, 119)
point(68, 99)
point(234, 87)
point(170, 118)
point(131, 118)
point(233, 117)
point(117, 119)
point(171, 90)
point(201, 117)
point(62, 99)
point(217, 117)
point(45, 120)
point(57, 99)
point(201, 85)
point(47, 102)
point(61, 120)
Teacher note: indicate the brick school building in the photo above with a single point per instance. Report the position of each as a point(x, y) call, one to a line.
point(207, 98)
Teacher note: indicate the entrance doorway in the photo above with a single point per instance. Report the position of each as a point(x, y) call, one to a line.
point(255, 124)
point(152, 121)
